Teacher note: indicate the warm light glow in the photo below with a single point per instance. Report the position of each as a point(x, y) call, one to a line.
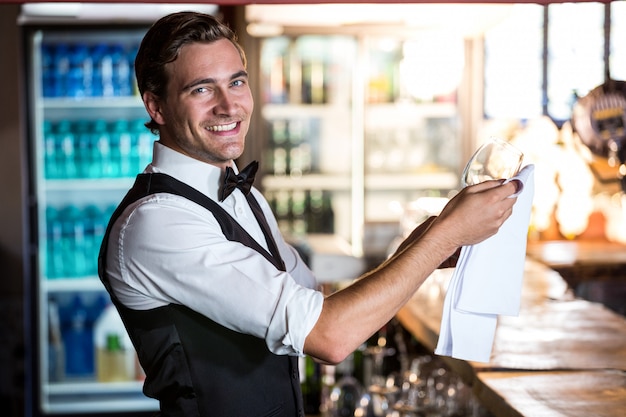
point(614, 210)
point(563, 181)
point(442, 69)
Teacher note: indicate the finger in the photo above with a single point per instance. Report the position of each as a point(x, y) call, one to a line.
point(485, 185)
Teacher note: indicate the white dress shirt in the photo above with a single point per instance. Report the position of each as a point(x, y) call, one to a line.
point(167, 249)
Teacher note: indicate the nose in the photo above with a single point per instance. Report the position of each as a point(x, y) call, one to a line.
point(225, 103)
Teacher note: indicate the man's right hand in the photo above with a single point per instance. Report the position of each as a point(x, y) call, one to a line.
point(476, 212)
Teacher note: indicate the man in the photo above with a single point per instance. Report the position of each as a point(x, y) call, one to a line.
point(217, 304)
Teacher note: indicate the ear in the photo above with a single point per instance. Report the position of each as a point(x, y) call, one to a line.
point(152, 104)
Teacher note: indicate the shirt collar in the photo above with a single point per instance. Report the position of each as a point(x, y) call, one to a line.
point(200, 175)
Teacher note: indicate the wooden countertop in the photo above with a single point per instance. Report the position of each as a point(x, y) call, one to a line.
point(571, 253)
point(560, 357)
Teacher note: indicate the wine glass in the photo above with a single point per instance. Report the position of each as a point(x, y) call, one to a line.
point(495, 159)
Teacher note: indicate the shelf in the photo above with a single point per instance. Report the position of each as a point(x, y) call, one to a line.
point(304, 111)
point(308, 182)
point(92, 102)
point(373, 182)
point(93, 396)
point(421, 181)
point(393, 112)
point(91, 108)
point(89, 184)
point(93, 387)
point(401, 110)
point(91, 283)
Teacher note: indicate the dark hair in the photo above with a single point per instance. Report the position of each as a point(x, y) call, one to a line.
point(163, 42)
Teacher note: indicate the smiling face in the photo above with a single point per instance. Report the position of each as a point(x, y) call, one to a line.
point(205, 111)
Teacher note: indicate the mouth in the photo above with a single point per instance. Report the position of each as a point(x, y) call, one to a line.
point(223, 128)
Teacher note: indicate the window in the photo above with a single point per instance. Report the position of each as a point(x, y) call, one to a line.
point(542, 57)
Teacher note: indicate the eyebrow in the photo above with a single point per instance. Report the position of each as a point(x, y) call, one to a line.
point(234, 76)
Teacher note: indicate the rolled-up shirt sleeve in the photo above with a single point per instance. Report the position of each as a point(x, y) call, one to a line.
point(171, 250)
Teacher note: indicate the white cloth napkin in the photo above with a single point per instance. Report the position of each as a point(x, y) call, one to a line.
point(487, 282)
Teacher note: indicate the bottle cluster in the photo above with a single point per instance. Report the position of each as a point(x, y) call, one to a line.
point(299, 212)
point(73, 238)
point(291, 81)
point(95, 148)
point(293, 147)
point(88, 341)
point(80, 70)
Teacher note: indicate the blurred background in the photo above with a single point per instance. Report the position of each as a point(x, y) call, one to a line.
point(365, 117)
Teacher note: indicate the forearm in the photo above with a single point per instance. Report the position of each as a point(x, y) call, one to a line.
point(353, 314)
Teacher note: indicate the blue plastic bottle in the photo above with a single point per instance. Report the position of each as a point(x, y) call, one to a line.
point(101, 150)
point(61, 69)
point(75, 75)
point(49, 151)
point(54, 244)
point(94, 233)
point(48, 80)
point(83, 152)
point(117, 129)
point(130, 57)
point(66, 142)
point(106, 70)
point(98, 53)
point(145, 142)
point(78, 341)
point(121, 71)
point(74, 261)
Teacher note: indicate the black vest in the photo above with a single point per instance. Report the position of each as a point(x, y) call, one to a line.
point(194, 366)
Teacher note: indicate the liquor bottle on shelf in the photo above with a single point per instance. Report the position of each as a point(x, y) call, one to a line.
point(115, 357)
point(298, 224)
point(314, 83)
point(299, 149)
point(321, 217)
point(311, 385)
point(280, 155)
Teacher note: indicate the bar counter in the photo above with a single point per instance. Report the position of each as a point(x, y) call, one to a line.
point(561, 356)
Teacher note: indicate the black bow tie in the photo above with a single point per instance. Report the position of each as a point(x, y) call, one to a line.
point(243, 181)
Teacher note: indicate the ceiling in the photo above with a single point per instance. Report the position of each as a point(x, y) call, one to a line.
point(459, 18)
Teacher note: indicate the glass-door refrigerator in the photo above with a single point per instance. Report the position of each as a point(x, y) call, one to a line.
point(86, 143)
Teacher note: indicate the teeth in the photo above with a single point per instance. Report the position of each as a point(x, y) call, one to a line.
point(223, 128)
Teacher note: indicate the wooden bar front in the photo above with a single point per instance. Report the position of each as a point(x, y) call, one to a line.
point(561, 356)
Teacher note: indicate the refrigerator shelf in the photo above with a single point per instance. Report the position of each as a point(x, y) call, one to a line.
point(93, 387)
point(132, 404)
point(76, 397)
point(92, 102)
point(88, 184)
point(308, 182)
point(416, 181)
point(85, 284)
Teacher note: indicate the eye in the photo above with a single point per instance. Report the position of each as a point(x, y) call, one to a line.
point(238, 83)
point(200, 90)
